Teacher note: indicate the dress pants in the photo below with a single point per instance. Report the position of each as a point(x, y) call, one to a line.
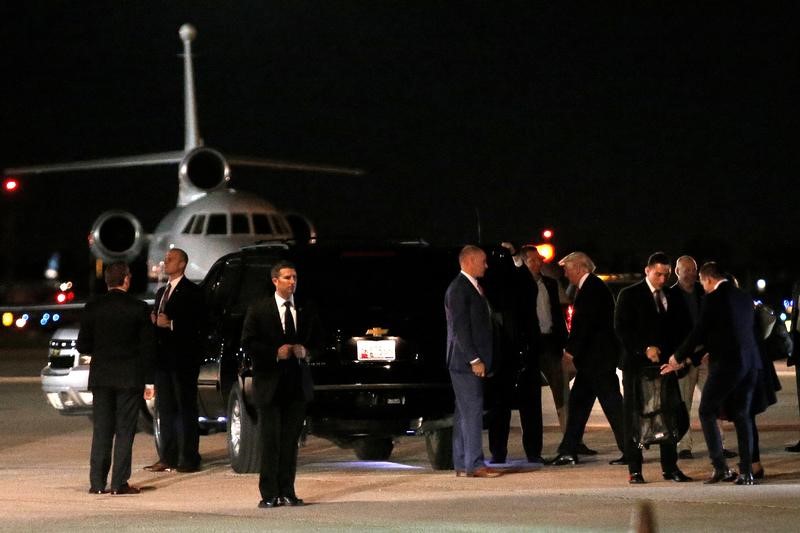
point(176, 401)
point(669, 451)
point(526, 391)
point(551, 363)
point(695, 378)
point(115, 413)
point(281, 423)
point(735, 393)
point(591, 384)
point(467, 421)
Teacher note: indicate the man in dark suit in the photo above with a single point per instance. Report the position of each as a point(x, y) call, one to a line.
point(593, 348)
point(642, 325)
point(116, 331)
point(178, 315)
point(469, 360)
point(280, 334)
point(726, 330)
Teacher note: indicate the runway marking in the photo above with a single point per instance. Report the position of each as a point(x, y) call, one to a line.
point(20, 379)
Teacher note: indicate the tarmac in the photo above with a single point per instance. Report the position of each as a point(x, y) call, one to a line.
point(44, 483)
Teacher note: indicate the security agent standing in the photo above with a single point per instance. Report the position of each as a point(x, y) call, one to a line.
point(642, 325)
point(726, 329)
point(116, 331)
point(178, 315)
point(469, 360)
point(280, 334)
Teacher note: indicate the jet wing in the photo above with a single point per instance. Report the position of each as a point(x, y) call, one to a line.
point(162, 158)
point(277, 164)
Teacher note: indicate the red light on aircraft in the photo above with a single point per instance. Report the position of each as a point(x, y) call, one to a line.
point(10, 185)
point(547, 251)
point(547, 234)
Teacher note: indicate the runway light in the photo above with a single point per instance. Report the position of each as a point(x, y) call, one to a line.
point(8, 319)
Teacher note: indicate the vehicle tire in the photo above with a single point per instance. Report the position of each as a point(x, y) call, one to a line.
point(244, 443)
point(373, 449)
point(157, 431)
point(439, 445)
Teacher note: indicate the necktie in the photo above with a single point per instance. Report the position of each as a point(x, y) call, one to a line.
point(659, 301)
point(164, 298)
point(288, 323)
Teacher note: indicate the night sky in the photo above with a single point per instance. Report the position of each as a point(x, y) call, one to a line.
point(624, 131)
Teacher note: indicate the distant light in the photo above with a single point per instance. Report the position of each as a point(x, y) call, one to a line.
point(25, 317)
point(547, 233)
point(8, 319)
point(547, 251)
point(784, 317)
point(61, 297)
point(788, 304)
point(67, 285)
point(56, 317)
point(761, 284)
point(10, 185)
point(43, 321)
point(20, 323)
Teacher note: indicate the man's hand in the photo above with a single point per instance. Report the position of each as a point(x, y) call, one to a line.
point(299, 351)
point(653, 353)
point(508, 246)
point(285, 351)
point(672, 365)
point(479, 369)
point(704, 360)
point(163, 320)
point(149, 392)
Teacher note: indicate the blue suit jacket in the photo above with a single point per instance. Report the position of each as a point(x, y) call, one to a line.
point(469, 326)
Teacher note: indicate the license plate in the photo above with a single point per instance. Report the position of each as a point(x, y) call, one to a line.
point(382, 350)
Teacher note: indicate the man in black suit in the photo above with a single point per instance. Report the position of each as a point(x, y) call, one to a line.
point(469, 360)
point(116, 331)
point(593, 348)
point(178, 315)
point(642, 325)
point(280, 334)
point(726, 330)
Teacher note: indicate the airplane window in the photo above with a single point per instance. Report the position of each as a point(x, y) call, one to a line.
point(261, 224)
point(217, 224)
point(240, 224)
point(199, 222)
point(188, 228)
point(279, 222)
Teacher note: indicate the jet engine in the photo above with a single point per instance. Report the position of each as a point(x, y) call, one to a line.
point(116, 236)
point(302, 228)
point(202, 170)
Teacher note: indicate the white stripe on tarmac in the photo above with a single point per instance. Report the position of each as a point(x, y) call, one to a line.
point(20, 379)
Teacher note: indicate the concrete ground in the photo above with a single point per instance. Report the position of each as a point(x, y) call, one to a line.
point(44, 479)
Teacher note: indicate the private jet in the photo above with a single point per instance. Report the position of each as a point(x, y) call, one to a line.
point(210, 219)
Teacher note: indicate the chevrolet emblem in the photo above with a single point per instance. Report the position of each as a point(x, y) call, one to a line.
point(377, 332)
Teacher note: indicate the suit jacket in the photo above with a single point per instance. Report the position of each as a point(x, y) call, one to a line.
point(180, 348)
point(591, 340)
point(469, 326)
point(529, 328)
point(262, 335)
point(726, 329)
point(639, 324)
point(116, 331)
point(678, 312)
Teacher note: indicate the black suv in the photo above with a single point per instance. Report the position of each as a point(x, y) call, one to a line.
point(382, 371)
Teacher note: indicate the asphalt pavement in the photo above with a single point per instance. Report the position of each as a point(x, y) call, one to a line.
point(44, 482)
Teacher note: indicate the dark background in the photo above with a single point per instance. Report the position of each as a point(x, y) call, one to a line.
point(626, 131)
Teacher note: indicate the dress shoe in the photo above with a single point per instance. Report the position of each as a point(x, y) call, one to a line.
point(793, 449)
point(636, 478)
point(676, 475)
point(126, 489)
point(98, 491)
point(685, 454)
point(585, 450)
point(718, 475)
point(759, 474)
point(728, 454)
point(620, 461)
point(188, 469)
point(291, 501)
point(269, 503)
point(158, 466)
point(484, 471)
point(565, 459)
point(745, 479)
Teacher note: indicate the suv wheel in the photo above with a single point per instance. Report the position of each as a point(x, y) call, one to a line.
point(244, 445)
point(370, 449)
point(439, 445)
point(156, 431)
